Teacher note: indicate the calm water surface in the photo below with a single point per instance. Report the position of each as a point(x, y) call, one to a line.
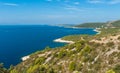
point(17, 41)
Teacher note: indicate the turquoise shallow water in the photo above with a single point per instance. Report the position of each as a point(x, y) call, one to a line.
point(17, 41)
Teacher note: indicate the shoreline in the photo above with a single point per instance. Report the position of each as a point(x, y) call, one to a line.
point(25, 58)
point(60, 40)
point(96, 30)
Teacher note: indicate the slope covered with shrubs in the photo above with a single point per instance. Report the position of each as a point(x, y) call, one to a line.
point(82, 56)
point(89, 54)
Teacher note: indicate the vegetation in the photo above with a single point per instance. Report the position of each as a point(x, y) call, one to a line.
point(91, 25)
point(100, 25)
point(75, 38)
point(82, 56)
point(110, 71)
point(2, 69)
point(89, 54)
point(117, 68)
point(116, 23)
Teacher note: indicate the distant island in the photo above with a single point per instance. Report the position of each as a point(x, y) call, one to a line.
point(98, 53)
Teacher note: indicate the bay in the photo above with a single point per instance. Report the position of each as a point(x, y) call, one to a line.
point(17, 41)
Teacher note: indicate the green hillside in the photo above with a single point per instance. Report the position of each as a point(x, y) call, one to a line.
point(91, 25)
point(83, 56)
point(100, 25)
point(116, 23)
point(86, 55)
point(98, 53)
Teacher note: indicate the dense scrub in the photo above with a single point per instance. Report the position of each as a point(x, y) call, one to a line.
point(82, 56)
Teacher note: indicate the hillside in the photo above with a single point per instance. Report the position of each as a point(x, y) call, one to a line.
point(95, 56)
point(85, 56)
point(91, 25)
point(98, 53)
point(116, 23)
point(100, 25)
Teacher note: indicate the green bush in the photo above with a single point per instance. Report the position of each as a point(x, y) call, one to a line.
point(33, 69)
point(110, 71)
point(85, 50)
point(72, 66)
point(40, 60)
point(117, 69)
point(62, 53)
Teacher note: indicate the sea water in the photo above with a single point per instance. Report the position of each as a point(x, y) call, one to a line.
point(17, 41)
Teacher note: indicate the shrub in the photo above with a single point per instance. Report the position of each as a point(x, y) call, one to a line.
point(110, 71)
point(62, 53)
point(33, 69)
point(85, 50)
point(79, 66)
point(13, 71)
point(109, 44)
point(117, 69)
point(40, 60)
point(119, 38)
point(72, 66)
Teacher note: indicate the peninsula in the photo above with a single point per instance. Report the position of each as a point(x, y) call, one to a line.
point(98, 53)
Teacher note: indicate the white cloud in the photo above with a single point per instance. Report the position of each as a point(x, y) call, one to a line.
point(114, 2)
point(73, 8)
point(95, 1)
point(10, 4)
point(104, 1)
point(76, 3)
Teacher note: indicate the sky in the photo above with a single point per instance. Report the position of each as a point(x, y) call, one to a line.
point(58, 11)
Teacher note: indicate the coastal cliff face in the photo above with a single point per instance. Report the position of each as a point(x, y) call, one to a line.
point(88, 54)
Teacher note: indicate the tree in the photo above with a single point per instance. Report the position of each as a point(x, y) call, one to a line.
point(117, 69)
point(72, 66)
point(110, 71)
point(62, 53)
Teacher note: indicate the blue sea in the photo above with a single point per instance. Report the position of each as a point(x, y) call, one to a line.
point(17, 41)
